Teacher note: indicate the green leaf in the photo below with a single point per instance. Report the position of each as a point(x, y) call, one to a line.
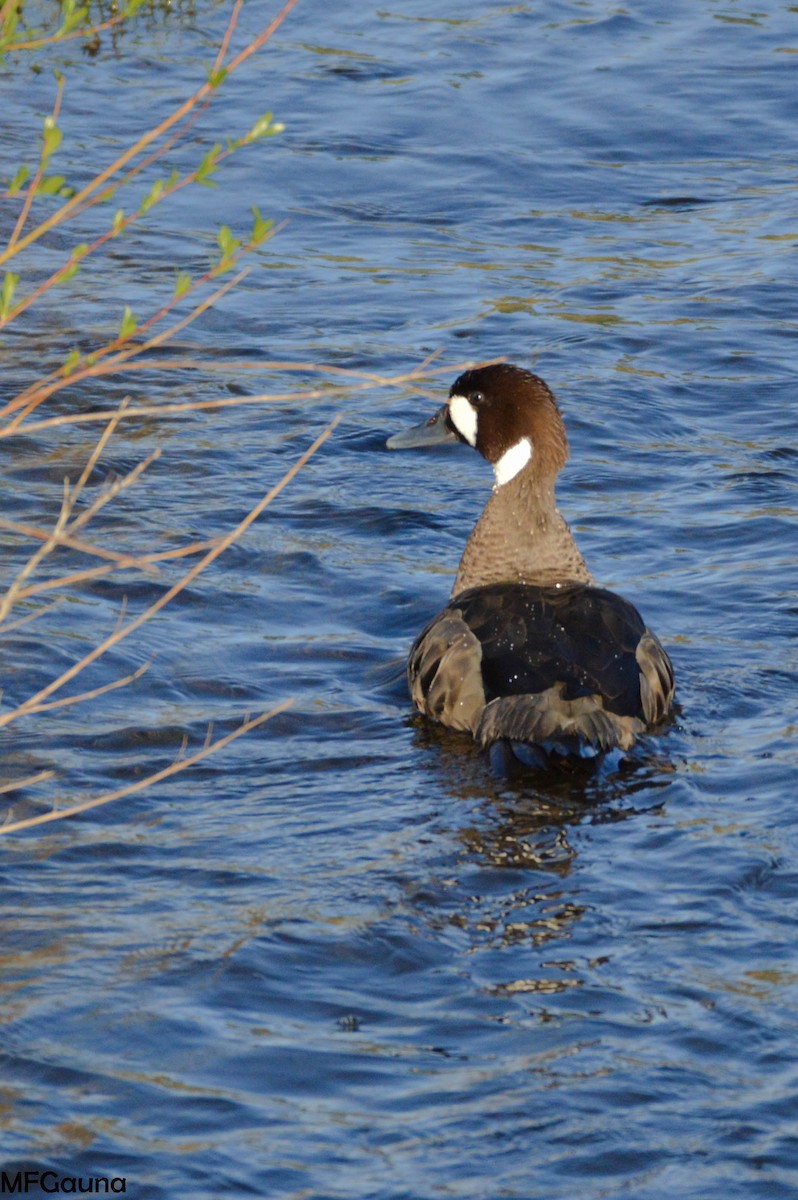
point(79, 252)
point(265, 127)
point(208, 164)
point(70, 362)
point(19, 179)
point(118, 221)
point(260, 228)
point(227, 243)
point(182, 284)
point(71, 17)
point(10, 23)
point(7, 293)
point(216, 78)
point(129, 324)
point(152, 197)
point(107, 193)
point(51, 185)
point(52, 138)
point(54, 185)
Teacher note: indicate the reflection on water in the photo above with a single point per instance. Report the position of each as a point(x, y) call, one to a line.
point(343, 958)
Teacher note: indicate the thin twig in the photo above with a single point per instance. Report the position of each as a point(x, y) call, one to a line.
point(122, 561)
point(37, 178)
point(102, 442)
point(9, 599)
point(31, 616)
point(113, 639)
point(112, 490)
point(42, 535)
point(65, 527)
point(81, 697)
point(107, 360)
point(139, 785)
point(119, 226)
point(85, 31)
point(59, 582)
point(27, 780)
point(228, 33)
point(160, 410)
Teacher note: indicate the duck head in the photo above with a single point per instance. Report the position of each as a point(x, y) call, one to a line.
point(506, 413)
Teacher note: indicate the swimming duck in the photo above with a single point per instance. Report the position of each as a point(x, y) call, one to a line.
point(529, 652)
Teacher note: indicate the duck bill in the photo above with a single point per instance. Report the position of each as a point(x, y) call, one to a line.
point(434, 432)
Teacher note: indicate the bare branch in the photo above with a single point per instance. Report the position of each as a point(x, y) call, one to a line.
point(139, 785)
point(31, 616)
point(27, 780)
point(117, 636)
point(121, 561)
point(149, 410)
point(38, 556)
point(65, 701)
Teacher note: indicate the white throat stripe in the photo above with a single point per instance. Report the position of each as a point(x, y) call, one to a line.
point(464, 418)
point(512, 461)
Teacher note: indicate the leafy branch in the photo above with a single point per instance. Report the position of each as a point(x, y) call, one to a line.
point(73, 25)
point(115, 353)
point(102, 187)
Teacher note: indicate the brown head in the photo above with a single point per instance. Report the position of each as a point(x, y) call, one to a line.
point(506, 413)
point(511, 417)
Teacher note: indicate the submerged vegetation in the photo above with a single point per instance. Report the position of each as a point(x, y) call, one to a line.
point(40, 197)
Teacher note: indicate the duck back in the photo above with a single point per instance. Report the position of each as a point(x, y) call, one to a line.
point(563, 667)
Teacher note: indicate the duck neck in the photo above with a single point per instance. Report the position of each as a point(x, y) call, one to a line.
point(521, 538)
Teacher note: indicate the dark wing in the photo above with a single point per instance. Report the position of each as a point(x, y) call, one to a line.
point(444, 672)
point(657, 683)
point(568, 666)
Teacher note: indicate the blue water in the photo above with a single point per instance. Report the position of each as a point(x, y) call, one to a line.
point(339, 960)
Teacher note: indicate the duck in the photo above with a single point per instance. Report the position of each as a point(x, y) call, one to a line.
point(530, 654)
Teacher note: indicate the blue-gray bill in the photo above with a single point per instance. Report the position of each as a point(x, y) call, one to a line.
point(433, 432)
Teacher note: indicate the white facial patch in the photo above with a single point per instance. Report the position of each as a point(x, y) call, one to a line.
point(512, 461)
point(464, 418)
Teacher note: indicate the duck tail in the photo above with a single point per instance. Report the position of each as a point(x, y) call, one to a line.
point(563, 726)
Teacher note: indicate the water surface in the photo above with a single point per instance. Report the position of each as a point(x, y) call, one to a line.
point(340, 959)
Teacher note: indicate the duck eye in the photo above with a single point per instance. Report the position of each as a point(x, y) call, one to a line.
point(476, 398)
